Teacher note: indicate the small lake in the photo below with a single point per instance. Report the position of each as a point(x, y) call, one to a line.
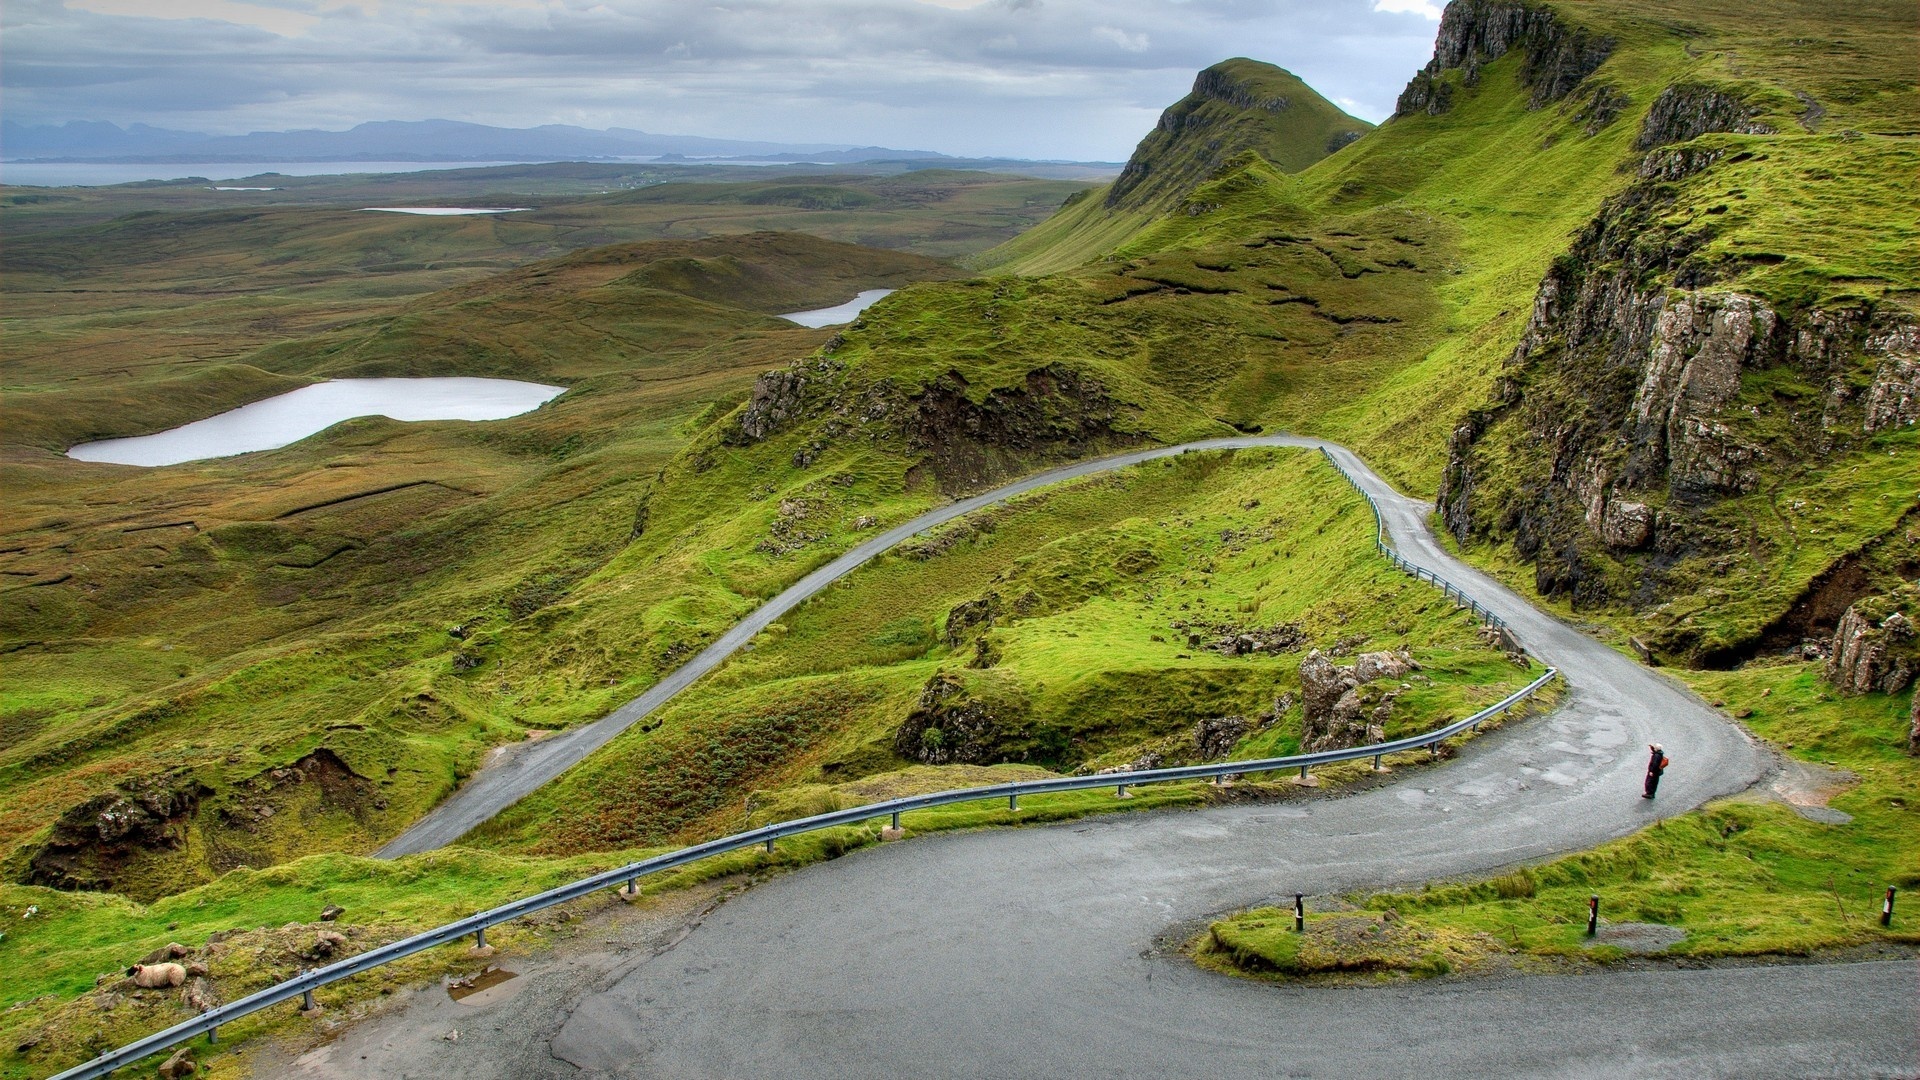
point(444, 211)
point(840, 313)
point(290, 417)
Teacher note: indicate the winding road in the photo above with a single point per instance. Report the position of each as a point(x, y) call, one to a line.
point(1036, 952)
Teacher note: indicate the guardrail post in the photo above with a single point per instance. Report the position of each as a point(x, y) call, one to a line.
point(213, 1035)
point(1376, 763)
point(480, 938)
point(1013, 802)
point(1299, 913)
point(896, 820)
point(306, 1001)
point(1120, 792)
point(769, 845)
point(1303, 772)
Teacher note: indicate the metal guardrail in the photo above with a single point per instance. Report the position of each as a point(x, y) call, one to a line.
point(1486, 617)
point(302, 986)
point(626, 876)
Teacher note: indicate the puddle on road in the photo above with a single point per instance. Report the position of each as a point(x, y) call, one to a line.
point(482, 989)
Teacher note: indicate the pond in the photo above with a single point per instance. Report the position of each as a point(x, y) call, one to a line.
point(444, 211)
point(297, 414)
point(839, 313)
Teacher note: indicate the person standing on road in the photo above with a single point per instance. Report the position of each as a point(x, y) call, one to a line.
point(1656, 764)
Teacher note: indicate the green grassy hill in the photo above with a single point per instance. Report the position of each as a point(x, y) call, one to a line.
point(1569, 185)
point(1237, 106)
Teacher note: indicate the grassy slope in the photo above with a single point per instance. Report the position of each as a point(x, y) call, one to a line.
point(272, 603)
point(803, 721)
point(1091, 671)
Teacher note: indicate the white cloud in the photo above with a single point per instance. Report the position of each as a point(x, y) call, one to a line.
point(1409, 7)
point(1130, 42)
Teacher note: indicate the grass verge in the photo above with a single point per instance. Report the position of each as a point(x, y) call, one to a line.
point(1744, 876)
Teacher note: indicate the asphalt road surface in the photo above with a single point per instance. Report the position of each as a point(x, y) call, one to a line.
point(1039, 952)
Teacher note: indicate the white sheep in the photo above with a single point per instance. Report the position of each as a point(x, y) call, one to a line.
point(155, 976)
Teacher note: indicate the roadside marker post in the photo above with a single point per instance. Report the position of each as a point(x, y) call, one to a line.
point(1886, 908)
point(1593, 915)
point(1299, 913)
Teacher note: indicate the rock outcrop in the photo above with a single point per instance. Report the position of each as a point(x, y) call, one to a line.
point(1476, 32)
point(1893, 400)
point(1215, 737)
point(1874, 649)
point(960, 722)
point(969, 444)
point(778, 397)
point(1622, 418)
point(970, 615)
point(93, 840)
point(1341, 706)
point(1688, 111)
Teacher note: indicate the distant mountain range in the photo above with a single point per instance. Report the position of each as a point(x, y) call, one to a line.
point(397, 140)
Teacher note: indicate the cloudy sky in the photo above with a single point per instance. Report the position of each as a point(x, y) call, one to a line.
point(1030, 78)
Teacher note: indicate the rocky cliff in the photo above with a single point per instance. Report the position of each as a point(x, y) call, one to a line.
point(1474, 32)
point(1649, 388)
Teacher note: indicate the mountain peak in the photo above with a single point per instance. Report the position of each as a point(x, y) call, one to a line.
point(1236, 105)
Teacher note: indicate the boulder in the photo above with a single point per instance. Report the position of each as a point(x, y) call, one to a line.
point(1340, 708)
point(1913, 727)
point(1874, 647)
point(1382, 665)
point(179, 1065)
point(1625, 524)
point(1322, 682)
point(1214, 738)
point(1893, 401)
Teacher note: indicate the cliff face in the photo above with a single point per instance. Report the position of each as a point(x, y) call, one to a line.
point(1474, 32)
point(1236, 105)
point(1648, 390)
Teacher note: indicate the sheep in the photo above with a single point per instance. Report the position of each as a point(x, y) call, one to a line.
point(154, 976)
